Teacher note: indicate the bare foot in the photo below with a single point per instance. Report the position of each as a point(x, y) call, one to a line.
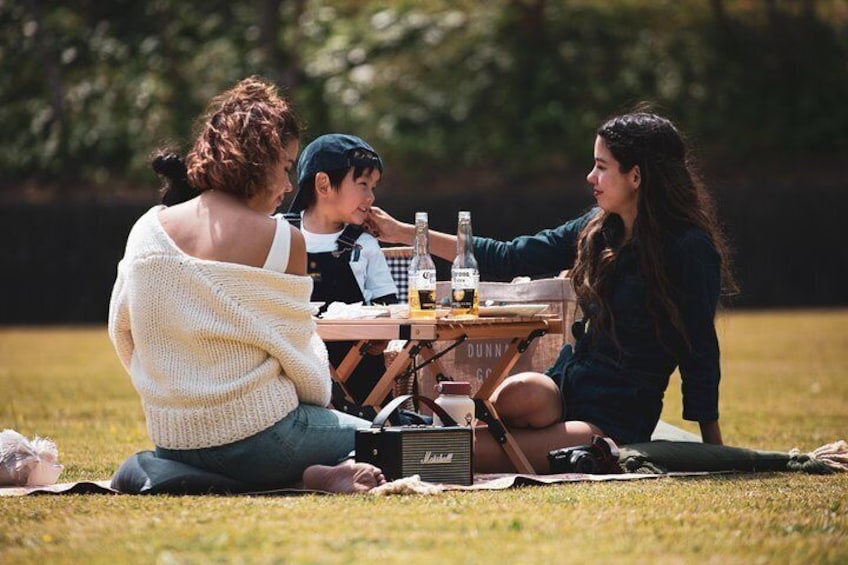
point(347, 477)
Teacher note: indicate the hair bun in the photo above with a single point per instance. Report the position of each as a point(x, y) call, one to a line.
point(176, 188)
point(171, 166)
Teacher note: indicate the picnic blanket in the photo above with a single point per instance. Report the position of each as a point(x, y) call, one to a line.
point(407, 485)
point(143, 473)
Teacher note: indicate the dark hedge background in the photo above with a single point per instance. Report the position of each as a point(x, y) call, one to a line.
point(487, 106)
point(59, 259)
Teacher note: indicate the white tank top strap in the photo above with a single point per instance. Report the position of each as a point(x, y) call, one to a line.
point(278, 255)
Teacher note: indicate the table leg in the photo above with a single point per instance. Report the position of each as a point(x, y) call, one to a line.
point(499, 372)
point(350, 362)
point(386, 382)
point(430, 362)
point(501, 369)
point(505, 364)
point(508, 443)
point(342, 373)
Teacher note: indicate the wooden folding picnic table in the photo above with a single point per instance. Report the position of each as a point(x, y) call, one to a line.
point(421, 337)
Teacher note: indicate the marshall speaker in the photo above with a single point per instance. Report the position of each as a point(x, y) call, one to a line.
point(436, 454)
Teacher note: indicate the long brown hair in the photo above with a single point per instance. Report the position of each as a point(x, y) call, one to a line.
point(671, 196)
point(240, 137)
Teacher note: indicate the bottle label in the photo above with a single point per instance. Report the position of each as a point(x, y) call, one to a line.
point(424, 284)
point(464, 278)
point(425, 279)
point(464, 284)
point(427, 299)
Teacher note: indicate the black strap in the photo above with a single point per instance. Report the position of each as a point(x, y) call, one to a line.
point(347, 239)
point(380, 420)
point(525, 343)
point(496, 428)
point(293, 218)
point(342, 402)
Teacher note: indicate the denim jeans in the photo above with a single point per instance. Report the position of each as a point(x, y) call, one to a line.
point(277, 456)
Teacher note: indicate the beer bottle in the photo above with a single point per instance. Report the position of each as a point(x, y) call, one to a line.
point(465, 278)
point(422, 273)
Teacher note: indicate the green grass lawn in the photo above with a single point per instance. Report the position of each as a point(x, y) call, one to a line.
point(785, 385)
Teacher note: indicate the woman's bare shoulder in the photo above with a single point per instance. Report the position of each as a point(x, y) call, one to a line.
point(219, 230)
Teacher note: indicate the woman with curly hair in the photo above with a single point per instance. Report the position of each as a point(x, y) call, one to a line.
point(210, 311)
point(647, 265)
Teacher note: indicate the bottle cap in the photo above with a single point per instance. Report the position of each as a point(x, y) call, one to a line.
point(420, 217)
point(460, 388)
point(465, 216)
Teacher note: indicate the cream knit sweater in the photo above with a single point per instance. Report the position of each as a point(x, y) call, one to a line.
point(217, 351)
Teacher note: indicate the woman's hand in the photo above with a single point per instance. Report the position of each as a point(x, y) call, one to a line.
point(387, 229)
point(711, 432)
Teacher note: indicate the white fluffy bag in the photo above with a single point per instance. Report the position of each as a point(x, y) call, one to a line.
point(28, 463)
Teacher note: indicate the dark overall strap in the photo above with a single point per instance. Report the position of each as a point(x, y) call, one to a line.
point(333, 279)
point(347, 241)
point(293, 218)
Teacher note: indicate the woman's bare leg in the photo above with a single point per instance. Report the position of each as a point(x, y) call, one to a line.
point(346, 477)
point(530, 405)
point(489, 456)
point(528, 400)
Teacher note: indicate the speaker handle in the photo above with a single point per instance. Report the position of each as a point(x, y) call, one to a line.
point(391, 407)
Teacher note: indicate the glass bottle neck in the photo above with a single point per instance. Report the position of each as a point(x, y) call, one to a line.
point(464, 239)
point(422, 244)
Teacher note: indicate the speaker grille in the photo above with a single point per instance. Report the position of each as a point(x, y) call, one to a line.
point(438, 457)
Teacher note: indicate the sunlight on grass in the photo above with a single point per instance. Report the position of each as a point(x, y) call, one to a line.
point(784, 379)
point(784, 385)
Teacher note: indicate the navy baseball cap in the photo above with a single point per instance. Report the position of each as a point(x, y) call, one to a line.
point(331, 152)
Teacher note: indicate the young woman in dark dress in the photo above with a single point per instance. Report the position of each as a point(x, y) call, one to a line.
point(648, 265)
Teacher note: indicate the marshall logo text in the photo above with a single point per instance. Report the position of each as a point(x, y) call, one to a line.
point(436, 459)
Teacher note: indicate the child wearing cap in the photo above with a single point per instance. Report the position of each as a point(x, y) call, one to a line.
point(337, 176)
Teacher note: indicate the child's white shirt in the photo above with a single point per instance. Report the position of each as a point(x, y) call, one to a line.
point(370, 267)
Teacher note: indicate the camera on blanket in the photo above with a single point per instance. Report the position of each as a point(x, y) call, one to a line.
point(600, 457)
